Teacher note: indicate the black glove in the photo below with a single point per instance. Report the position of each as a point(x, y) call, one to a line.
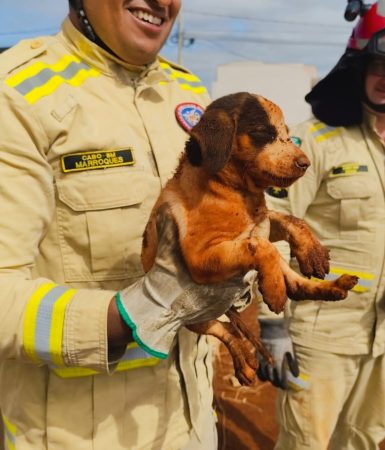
point(277, 341)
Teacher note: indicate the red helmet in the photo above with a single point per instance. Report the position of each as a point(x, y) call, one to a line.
point(369, 33)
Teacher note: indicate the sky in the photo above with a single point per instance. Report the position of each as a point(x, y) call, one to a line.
point(218, 32)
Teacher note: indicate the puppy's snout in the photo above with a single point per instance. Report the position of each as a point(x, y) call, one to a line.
point(302, 162)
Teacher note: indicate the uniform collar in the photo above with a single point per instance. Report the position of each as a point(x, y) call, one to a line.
point(370, 119)
point(101, 59)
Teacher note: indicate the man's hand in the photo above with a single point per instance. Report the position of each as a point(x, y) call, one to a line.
point(166, 298)
point(278, 342)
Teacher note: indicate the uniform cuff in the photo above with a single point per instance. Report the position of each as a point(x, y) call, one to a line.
point(85, 340)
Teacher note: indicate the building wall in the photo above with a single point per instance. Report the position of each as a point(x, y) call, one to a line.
point(284, 84)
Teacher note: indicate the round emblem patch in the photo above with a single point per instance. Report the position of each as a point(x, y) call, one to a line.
point(296, 140)
point(188, 115)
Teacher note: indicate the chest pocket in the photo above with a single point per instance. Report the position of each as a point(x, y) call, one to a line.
point(101, 218)
point(354, 198)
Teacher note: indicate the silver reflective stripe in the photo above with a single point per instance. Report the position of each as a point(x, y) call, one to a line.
point(43, 323)
point(46, 74)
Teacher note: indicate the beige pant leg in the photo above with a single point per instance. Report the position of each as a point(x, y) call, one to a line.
point(308, 417)
point(209, 436)
point(361, 425)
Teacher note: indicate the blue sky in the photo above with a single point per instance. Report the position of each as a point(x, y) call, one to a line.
point(285, 31)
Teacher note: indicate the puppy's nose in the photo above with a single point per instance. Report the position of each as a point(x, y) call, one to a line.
point(302, 162)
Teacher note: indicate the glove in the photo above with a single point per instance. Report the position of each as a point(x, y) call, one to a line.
point(244, 297)
point(166, 298)
point(278, 342)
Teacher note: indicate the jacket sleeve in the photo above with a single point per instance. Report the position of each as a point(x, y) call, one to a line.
point(40, 322)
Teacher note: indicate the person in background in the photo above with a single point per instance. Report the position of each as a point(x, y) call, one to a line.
point(92, 123)
point(330, 362)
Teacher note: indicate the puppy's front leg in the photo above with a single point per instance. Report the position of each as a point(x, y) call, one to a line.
point(312, 256)
point(218, 262)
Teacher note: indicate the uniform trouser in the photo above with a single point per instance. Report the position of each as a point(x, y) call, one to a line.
point(344, 403)
point(209, 436)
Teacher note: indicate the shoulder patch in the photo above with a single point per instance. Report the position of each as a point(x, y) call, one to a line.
point(322, 132)
point(277, 192)
point(20, 54)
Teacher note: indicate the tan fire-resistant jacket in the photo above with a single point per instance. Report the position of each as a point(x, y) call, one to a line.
point(342, 198)
point(85, 144)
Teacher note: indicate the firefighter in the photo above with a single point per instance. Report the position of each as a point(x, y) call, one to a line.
point(330, 362)
point(92, 123)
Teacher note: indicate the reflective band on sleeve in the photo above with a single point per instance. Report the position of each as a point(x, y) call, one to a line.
point(133, 358)
point(9, 434)
point(186, 81)
point(365, 279)
point(321, 131)
point(43, 323)
point(40, 80)
point(298, 383)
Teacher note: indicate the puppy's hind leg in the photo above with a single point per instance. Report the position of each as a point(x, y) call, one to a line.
point(300, 288)
point(245, 361)
point(238, 323)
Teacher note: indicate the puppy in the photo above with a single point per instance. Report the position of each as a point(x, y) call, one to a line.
point(239, 148)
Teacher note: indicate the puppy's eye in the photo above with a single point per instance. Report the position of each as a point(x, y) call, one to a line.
point(264, 135)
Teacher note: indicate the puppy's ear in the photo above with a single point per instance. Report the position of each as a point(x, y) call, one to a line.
point(211, 141)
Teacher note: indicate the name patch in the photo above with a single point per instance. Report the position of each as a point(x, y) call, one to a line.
point(76, 162)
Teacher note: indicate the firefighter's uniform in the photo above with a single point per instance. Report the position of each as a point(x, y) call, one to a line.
point(87, 141)
point(339, 345)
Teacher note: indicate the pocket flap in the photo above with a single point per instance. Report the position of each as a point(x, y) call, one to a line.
point(94, 191)
point(352, 186)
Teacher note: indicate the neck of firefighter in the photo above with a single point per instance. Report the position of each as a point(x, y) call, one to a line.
point(380, 124)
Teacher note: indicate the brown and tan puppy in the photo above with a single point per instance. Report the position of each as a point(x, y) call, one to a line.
point(239, 148)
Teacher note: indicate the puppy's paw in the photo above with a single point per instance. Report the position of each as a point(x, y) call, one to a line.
point(313, 259)
point(346, 281)
point(273, 293)
point(341, 287)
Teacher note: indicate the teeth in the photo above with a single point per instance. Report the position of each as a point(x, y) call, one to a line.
point(146, 17)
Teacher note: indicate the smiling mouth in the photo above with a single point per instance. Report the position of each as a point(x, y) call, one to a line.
point(146, 17)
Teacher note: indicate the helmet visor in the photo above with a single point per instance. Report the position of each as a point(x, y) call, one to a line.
point(376, 44)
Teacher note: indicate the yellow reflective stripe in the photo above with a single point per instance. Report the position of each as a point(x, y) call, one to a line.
point(197, 90)
point(133, 358)
point(57, 323)
point(34, 69)
point(298, 383)
point(327, 135)
point(48, 88)
point(135, 364)
point(322, 132)
point(365, 279)
point(357, 273)
point(180, 77)
point(175, 74)
point(9, 434)
point(29, 325)
point(187, 87)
